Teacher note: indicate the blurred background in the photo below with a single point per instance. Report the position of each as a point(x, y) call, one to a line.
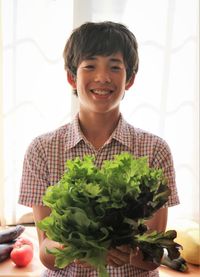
point(35, 97)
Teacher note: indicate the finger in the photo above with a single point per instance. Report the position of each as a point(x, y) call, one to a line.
point(125, 248)
point(134, 252)
point(82, 263)
point(136, 255)
point(113, 261)
point(118, 255)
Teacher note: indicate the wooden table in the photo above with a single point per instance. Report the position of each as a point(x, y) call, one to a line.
point(35, 268)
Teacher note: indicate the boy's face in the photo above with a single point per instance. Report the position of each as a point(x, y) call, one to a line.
point(101, 83)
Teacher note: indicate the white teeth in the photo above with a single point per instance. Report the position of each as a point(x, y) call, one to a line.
point(101, 92)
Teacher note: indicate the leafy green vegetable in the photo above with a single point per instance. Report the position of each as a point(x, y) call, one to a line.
point(178, 264)
point(93, 209)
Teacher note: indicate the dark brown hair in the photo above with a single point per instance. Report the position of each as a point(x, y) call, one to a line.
point(102, 38)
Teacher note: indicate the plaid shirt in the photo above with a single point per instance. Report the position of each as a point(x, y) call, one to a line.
point(44, 165)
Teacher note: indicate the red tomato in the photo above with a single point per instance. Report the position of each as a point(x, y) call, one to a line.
point(20, 241)
point(22, 252)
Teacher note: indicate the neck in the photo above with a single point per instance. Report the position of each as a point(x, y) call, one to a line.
point(97, 128)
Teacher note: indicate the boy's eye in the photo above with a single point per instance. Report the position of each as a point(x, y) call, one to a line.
point(89, 66)
point(115, 68)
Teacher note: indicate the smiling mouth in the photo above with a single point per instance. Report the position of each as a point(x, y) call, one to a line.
point(101, 92)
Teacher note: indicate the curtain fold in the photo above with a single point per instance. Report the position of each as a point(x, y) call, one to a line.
point(37, 98)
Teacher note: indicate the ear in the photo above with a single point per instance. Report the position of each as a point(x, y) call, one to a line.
point(130, 82)
point(71, 79)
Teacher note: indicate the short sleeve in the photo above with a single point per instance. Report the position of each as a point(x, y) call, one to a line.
point(162, 158)
point(34, 179)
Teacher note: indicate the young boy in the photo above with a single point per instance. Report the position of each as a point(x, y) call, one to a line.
point(101, 61)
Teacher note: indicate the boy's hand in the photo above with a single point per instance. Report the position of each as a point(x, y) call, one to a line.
point(83, 264)
point(119, 256)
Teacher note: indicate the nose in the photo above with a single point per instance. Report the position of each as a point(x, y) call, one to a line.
point(102, 76)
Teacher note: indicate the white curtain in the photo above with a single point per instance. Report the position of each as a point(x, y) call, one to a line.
point(36, 97)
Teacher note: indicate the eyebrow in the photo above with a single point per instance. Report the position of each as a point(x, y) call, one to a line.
point(92, 58)
point(116, 60)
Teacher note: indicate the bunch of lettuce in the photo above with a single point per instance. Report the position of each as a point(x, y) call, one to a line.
point(93, 209)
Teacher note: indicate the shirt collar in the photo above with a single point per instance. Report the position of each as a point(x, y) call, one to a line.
point(121, 134)
point(74, 134)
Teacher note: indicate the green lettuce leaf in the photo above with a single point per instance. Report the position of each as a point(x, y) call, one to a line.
point(93, 209)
